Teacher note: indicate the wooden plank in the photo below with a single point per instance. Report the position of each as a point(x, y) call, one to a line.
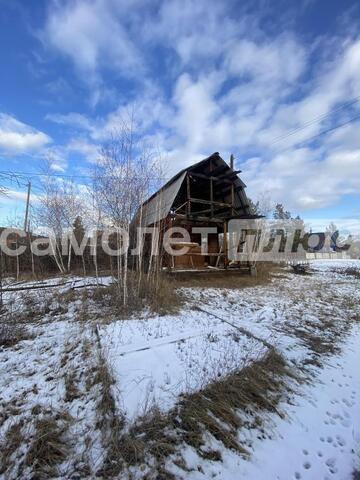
point(217, 209)
point(207, 177)
point(199, 218)
point(205, 254)
point(218, 259)
point(43, 287)
point(233, 173)
point(209, 202)
point(219, 169)
point(227, 189)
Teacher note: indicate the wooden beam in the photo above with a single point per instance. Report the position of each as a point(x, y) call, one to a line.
point(230, 174)
point(227, 214)
point(188, 194)
point(207, 177)
point(219, 169)
point(206, 254)
point(209, 202)
point(216, 208)
point(227, 189)
point(212, 196)
point(196, 218)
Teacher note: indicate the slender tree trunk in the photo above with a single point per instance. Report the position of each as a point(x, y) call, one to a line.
point(95, 261)
point(69, 257)
point(140, 252)
point(17, 263)
point(1, 280)
point(60, 258)
point(83, 264)
point(58, 261)
point(119, 261)
point(125, 286)
point(31, 256)
point(111, 266)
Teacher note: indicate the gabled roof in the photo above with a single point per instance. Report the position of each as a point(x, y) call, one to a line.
point(158, 206)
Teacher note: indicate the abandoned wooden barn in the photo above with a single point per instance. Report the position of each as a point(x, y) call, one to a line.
point(206, 194)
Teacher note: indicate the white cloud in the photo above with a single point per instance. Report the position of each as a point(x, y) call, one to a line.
point(191, 28)
point(71, 119)
point(19, 195)
point(17, 137)
point(231, 87)
point(89, 150)
point(304, 178)
point(56, 167)
point(265, 61)
point(253, 114)
point(93, 35)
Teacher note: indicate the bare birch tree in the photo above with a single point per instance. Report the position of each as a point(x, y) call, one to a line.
point(124, 176)
point(59, 205)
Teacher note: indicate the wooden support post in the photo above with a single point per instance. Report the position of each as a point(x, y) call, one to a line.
point(232, 161)
point(225, 246)
point(212, 197)
point(188, 193)
point(232, 199)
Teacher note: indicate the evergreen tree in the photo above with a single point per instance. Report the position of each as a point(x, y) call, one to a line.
point(254, 207)
point(280, 213)
point(78, 229)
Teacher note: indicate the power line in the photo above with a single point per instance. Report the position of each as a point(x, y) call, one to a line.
point(13, 174)
point(39, 174)
point(323, 116)
point(328, 130)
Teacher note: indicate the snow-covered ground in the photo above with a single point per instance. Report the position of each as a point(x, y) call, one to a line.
point(319, 439)
point(311, 319)
point(155, 359)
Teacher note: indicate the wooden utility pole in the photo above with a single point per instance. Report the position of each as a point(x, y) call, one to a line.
point(27, 207)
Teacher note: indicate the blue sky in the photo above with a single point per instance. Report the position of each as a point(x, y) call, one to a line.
point(200, 76)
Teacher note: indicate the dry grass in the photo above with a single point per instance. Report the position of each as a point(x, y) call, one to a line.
point(103, 377)
point(32, 308)
point(49, 446)
point(71, 390)
point(159, 296)
point(8, 410)
point(231, 279)
point(350, 271)
point(47, 449)
point(318, 342)
point(12, 333)
point(17, 315)
point(257, 388)
point(324, 331)
point(216, 410)
point(12, 440)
